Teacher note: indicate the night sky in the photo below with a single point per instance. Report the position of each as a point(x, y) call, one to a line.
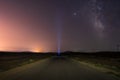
point(65, 25)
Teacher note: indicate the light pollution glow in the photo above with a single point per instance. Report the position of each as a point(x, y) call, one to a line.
point(14, 35)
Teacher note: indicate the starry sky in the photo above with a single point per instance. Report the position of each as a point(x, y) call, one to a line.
point(59, 25)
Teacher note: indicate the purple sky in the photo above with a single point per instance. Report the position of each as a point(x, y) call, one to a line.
point(84, 25)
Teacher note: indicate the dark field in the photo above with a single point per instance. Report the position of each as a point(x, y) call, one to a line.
point(10, 60)
point(107, 61)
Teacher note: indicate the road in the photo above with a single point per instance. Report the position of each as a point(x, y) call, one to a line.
point(55, 68)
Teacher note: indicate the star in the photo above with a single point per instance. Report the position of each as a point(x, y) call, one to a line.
point(75, 14)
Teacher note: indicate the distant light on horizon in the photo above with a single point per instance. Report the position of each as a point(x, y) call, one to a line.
point(36, 50)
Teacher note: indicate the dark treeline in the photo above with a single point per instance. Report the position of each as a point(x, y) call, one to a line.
point(97, 54)
point(67, 53)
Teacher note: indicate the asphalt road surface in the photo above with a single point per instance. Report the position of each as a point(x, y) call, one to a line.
point(55, 68)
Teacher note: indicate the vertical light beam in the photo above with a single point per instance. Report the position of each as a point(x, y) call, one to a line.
point(59, 40)
point(59, 31)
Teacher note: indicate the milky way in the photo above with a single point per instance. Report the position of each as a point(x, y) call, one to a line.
point(97, 7)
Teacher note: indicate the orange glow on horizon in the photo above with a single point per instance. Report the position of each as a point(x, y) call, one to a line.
point(36, 50)
point(16, 33)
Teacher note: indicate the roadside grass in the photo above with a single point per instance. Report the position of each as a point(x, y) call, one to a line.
point(107, 65)
point(7, 64)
